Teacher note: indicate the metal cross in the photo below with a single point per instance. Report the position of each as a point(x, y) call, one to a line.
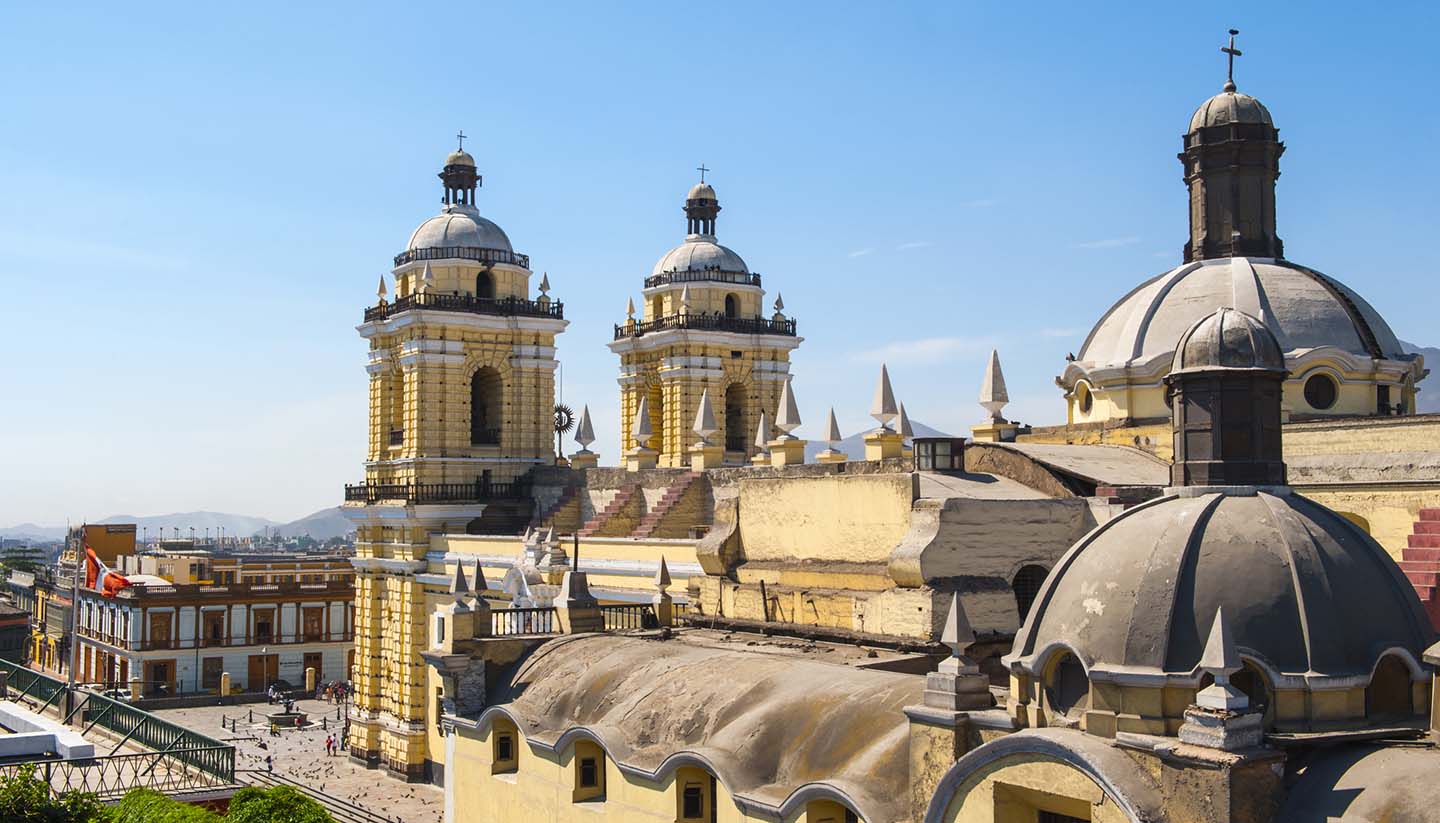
point(1234, 53)
point(701, 168)
point(461, 135)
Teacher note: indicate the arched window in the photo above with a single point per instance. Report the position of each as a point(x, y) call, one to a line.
point(1388, 695)
point(657, 307)
point(732, 306)
point(736, 432)
point(484, 286)
point(1068, 687)
point(486, 394)
point(694, 795)
point(1027, 586)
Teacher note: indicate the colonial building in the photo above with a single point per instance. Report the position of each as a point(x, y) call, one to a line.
point(462, 393)
point(703, 327)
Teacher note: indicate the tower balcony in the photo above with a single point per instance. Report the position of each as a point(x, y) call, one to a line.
point(410, 493)
point(739, 278)
point(708, 322)
point(490, 256)
point(502, 306)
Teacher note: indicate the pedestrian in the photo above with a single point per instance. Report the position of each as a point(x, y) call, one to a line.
point(269, 763)
point(329, 745)
point(274, 730)
point(298, 723)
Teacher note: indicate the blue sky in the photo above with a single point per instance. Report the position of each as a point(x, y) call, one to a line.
point(198, 200)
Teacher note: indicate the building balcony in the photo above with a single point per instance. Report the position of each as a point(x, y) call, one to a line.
point(468, 304)
point(490, 256)
point(409, 493)
point(192, 643)
point(739, 278)
point(708, 322)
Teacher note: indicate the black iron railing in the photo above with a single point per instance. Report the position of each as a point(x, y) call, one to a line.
point(629, 616)
point(109, 778)
point(435, 492)
point(469, 303)
point(708, 322)
point(742, 278)
point(463, 253)
point(510, 622)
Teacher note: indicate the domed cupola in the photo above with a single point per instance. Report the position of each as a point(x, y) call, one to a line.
point(1328, 628)
point(700, 252)
point(459, 231)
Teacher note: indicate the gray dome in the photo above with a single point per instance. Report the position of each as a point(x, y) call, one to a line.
point(1228, 107)
point(699, 254)
point(460, 157)
point(701, 191)
point(1228, 339)
point(1302, 307)
point(459, 226)
point(1138, 594)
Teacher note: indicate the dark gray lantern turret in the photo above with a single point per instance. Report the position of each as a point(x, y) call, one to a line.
point(460, 179)
point(701, 209)
point(1232, 160)
point(1225, 387)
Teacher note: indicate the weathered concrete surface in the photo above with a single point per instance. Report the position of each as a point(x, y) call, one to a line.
point(1395, 784)
point(853, 518)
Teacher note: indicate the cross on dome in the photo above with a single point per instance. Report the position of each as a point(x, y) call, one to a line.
point(701, 168)
point(1231, 52)
point(461, 138)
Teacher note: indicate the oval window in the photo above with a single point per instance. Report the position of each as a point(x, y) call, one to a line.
point(1320, 391)
point(1083, 397)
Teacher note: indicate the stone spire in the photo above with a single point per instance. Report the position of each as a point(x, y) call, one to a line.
point(958, 684)
point(1220, 717)
point(1220, 660)
point(662, 575)
point(993, 396)
point(883, 407)
point(832, 430)
point(585, 432)
point(382, 291)
point(705, 424)
point(629, 308)
point(641, 429)
point(545, 283)
point(478, 584)
point(685, 300)
point(427, 278)
point(762, 434)
point(459, 588)
point(787, 419)
point(904, 427)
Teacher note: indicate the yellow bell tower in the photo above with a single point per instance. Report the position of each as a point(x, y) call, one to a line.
point(462, 392)
point(702, 327)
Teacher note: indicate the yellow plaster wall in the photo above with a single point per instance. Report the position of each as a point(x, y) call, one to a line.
point(849, 518)
point(1013, 790)
point(451, 276)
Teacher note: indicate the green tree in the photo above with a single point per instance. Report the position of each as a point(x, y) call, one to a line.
point(24, 798)
point(150, 806)
point(21, 558)
point(280, 804)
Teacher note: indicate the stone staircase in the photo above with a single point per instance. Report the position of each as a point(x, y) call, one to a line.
point(665, 505)
point(1420, 560)
point(564, 513)
point(604, 520)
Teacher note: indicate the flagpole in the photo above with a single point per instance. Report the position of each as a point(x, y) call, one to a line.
point(75, 611)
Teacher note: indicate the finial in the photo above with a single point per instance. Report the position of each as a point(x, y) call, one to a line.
point(685, 300)
point(545, 282)
point(642, 431)
point(1233, 53)
point(883, 408)
point(458, 587)
point(705, 419)
point(461, 138)
point(832, 430)
point(382, 291)
point(1220, 660)
point(629, 308)
point(906, 432)
point(779, 302)
point(701, 168)
point(662, 575)
point(958, 636)
point(427, 278)
point(585, 432)
point(787, 419)
point(762, 434)
point(478, 583)
point(993, 396)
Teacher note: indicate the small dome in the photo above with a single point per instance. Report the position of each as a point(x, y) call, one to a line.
point(459, 226)
point(1137, 595)
point(701, 191)
point(1230, 106)
point(1228, 339)
point(696, 254)
point(460, 157)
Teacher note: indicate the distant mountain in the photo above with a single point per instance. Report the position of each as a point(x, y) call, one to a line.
point(321, 525)
point(1429, 399)
point(854, 445)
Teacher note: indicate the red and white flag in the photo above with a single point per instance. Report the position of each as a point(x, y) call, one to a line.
point(100, 577)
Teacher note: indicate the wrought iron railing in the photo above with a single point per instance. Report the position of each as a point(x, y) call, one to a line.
point(629, 616)
point(111, 777)
point(708, 322)
point(510, 622)
point(469, 303)
point(463, 253)
point(22, 683)
point(434, 492)
point(742, 278)
point(139, 726)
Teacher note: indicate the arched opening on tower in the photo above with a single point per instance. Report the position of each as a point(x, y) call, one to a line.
point(1388, 695)
point(657, 417)
point(486, 396)
point(732, 306)
point(736, 427)
point(484, 286)
point(1026, 586)
point(1067, 689)
point(657, 307)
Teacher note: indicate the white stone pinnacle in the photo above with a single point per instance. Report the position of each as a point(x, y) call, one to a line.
point(685, 300)
point(629, 308)
point(382, 291)
point(787, 419)
point(958, 636)
point(641, 429)
point(779, 303)
point(705, 419)
point(832, 430)
point(906, 431)
point(458, 586)
point(545, 282)
point(585, 432)
point(478, 583)
point(883, 407)
point(762, 434)
point(427, 278)
point(993, 396)
point(1220, 660)
point(662, 575)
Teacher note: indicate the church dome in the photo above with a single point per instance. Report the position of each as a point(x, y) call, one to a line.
point(1230, 106)
point(1304, 309)
point(701, 191)
point(1228, 339)
point(459, 226)
point(697, 254)
point(1136, 596)
point(459, 157)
